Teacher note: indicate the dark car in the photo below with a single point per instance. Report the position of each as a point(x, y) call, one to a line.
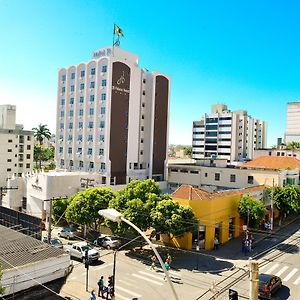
point(268, 285)
point(54, 242)
point(108, 242)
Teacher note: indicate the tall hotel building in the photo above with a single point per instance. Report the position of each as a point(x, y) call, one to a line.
point(227, 135)
point(292, 132)
point(112, 118)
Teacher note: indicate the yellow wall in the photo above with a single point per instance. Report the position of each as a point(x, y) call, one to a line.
point(211, 212)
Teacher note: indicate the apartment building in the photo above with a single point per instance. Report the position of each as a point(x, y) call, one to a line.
point(112, 118)
point(16, 146)
point(228, 135)
point(292, 132)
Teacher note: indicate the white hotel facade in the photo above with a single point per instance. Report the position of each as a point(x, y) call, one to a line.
point(112, 118)
point(228, 135)
point(292, 132)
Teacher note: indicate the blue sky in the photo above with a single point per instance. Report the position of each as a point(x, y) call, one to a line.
point(241, 53)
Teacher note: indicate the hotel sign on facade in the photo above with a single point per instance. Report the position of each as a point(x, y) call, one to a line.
point(102, 52)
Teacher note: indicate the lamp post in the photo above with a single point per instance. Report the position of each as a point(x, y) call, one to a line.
point(116, 216)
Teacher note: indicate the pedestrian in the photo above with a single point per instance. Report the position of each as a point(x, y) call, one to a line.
point(216, 243)
point(153, 259)
point(167, 266)
point(100, 286)
point(169, 258)
point(243, 245)
point(246, 246)
point(92, 295)
point(250, 245)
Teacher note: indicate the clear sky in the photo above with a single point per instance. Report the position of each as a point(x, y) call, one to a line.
point(245, 54)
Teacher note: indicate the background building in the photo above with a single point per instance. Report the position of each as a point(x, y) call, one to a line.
point(112, 118)
point(16, 145)
point(292, 133)
point(228, 135)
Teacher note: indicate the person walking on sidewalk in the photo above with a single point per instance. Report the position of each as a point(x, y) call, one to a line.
point(92, 295)
point(216, 243)
point(167, 266)
point(100, 286)
point(153, 259)
point(169, 259)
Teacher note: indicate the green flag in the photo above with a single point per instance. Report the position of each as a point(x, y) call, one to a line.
point(118, 31)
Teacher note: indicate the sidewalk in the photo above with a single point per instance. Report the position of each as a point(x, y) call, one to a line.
point(75, 290)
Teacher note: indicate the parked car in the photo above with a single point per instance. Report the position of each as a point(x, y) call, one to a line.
point(67, 232)
point(268, 285)
point(78, 250)
point(54, 242)
point(108, 242)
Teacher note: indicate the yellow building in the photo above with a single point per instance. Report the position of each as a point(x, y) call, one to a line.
point(217, 213)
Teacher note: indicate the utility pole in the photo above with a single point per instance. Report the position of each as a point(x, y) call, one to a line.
point(3, 190)
point(253, 290)
point(272, 201)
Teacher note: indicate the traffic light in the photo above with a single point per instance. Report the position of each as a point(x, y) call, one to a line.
point(233, 295)
point(86, 260)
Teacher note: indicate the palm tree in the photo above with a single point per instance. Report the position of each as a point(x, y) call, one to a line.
point(41, 133)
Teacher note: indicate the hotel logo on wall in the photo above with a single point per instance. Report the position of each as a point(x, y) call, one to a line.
point(121, 79)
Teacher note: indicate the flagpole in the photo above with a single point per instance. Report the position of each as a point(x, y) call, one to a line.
point(113, 45)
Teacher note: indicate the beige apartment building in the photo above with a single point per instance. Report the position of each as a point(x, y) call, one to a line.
point(216, 175)
point(16, 146)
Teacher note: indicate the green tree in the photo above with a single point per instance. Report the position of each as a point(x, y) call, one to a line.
point(171, 217)
point(48, 153)
point(135, 202)
point(188, 151)
point(2, 289)
point(37, 155)
point(287, 198)
point(84, 206)
point(293, 145)
point(251, 210)
point(41, 133)
point(59, 208)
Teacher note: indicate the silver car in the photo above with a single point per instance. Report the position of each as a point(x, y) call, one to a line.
point(67, 232)
point(108, 242)
point(54, 242)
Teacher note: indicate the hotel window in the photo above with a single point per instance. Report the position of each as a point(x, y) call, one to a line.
point(101, 151)
point(144, 93)
point(101, 138)
point(80, 164)
point(92, 98)
point(9, 150)
point(62, 101)
point(72, 100)
point(71, 113)
point(102, 110)
point(73, 75)
point(70, 150)
point(28, 147)
point(232, 177)
point(70, 138)
point(91, 124)
point(82, 73)
point(144, 80)
point(79, 137)
point(142, 128)
point(81, 99)
point(104, 69)
point(27, 156)
point(102, 124)
point(79, 151)
point(93, 71)
point(61, 126)
point(27, 166)
point(72, 88)
point(143, 117)
point(103, 82)
point(63, 89)
point(71, 163)
point(90, 137)
point(92, 84)
point(91, 165)
point(63, 77)
point(80, 112)
point(61, 149)
point(142, 152)
point(81, 86)
point(217, 176)
point(91, 111)
point(62, 114)
point(102, 166)
point(70, 125)
point(103, 97)
point(89, 151)
point(80, 125)
point(142, 140)
point(143, 104)
point(250, 179)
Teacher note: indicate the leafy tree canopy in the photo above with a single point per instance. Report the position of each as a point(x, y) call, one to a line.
point(287, 198)
point(59, 208)
point(84, 206)
point(293, 145)
point(2, 289)
point(253, 209)
point(41, 133)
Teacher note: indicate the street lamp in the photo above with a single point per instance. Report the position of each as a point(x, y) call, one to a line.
point(116, 216)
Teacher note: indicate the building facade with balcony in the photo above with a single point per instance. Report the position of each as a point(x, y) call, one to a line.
point(227, 135)
point(16, 146)
point(112, 118)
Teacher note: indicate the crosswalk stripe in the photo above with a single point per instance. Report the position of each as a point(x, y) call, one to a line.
point(152, 275)
point(263, 267)
point(102, 266)
point(147, 279)
point(297, 281)
point(128, 291)
point(272, 268)
point(290, 275)
point(174, 273)
point(121, 297)
point(281, 271)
